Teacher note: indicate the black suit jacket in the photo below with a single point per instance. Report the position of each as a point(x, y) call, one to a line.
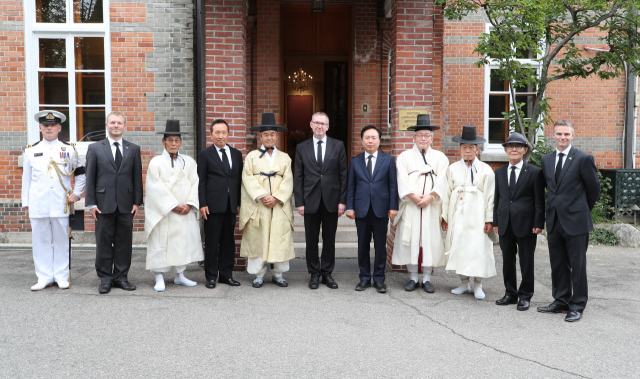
point(215, 183)
point(525, 209)
point(310, 182)
point(108, 188)
point(575, 194)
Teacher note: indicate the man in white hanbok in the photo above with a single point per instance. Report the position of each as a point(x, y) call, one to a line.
point(467, 215)
point(171, 210)
point(418, 243)
point(266, 215)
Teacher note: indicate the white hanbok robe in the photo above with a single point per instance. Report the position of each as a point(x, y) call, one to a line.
point(172, 239)
point(466, 206)
point(268, 232)
point(415, 225)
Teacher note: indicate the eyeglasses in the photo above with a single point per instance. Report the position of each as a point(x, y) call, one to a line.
point(172, 140)
point(319, 123)
point(514, 147)
point(423, 136)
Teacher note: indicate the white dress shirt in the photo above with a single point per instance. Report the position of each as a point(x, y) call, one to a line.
point(315, 147)
point(564, 158)
point(518, 168)
point(373, 160)
point(226, 150)
point(113, 147)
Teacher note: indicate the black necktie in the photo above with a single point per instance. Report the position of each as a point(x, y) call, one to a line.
point(118, 155)
point(265, 151)
point(559, 166)
point(512, 180)
point(370, 166)
point(225, 162)
point(319, 154)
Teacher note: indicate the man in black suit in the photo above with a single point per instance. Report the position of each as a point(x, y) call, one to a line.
point(372, 198)
point(518, 217)
point(220, 174)
point(320, 189)
point(114, 195)
point(571, 178)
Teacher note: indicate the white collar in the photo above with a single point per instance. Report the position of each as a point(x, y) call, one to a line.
point(111, 141)
point(474, 163)
point(518, 165)
point(274, 150)
point(50, 143)
point(324, 140)
point(375, 155)
point(415, 147)
point(226, 147)
point(565, 151)
point(165, 152)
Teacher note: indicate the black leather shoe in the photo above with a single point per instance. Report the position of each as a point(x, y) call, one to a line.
point(125, 285)
point(363, 285)
point(210, 283)
point(411, 286)
point(523, 305)
point(553, 308)
point(104, 288)
point(314, 282)
point(328, 280)
point(229, 281)
point(380, 287)
point(506, 300)
point(573, 316)
point(280, 283)
point(428, 287)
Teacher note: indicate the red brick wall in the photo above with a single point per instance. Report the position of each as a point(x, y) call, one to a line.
point(267, 91)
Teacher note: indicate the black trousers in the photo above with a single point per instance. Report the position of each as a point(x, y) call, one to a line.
point(312, 221)
point(376, 226)
point(114, 235)
point(219, 244)
point(524, 248)
point(568, 257)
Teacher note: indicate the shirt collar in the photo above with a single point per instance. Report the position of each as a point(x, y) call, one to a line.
point(415, 147)
point(375, 155)
point(565, 151)
point(274, 148)
point(50, 143)
point(226, 147)
point(518, 165)
point(324, 140)
point(111, 141)
point(475, 162)
point(165, 152)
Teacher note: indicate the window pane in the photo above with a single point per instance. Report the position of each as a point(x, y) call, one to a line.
point(497, 105)
point(64, 133)
point(525, 54)
point(90, 88)
point(52, 53)
point(87, 11)
point(89, 54)
point(528, 106)
point(496, 83)
point(91, 124)
point(51, 11)
point(53, 87)
point(497, 131)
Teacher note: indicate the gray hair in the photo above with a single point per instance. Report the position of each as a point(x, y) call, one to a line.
point(563, 122)
point(321, 114)
point(430, 132)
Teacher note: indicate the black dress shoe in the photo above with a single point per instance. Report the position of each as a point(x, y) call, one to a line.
point(210, 283)
point(229, 281)
point(523, 305)
point(506, 300)
point(573, 316)
point(280, 283)
point(553, 308)
point(380, 287)
point(363, 285)
point(428, 287)
point(104, 288)
point(328, 280)
point(124, 284)
point(314, 282)
point(411, 286)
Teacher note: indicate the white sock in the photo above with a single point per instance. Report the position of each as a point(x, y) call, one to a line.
point(184, 281)
point(159, 283)
point(426, 278)
point(414, 277)
point(462, 288)
point(477, 291)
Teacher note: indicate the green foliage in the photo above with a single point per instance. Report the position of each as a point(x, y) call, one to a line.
point(539, 150)
point(547, 32)
point(601, 236)
point(603, 211)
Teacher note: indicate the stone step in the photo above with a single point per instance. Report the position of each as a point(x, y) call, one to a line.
point(343, 234)
point(343, 249)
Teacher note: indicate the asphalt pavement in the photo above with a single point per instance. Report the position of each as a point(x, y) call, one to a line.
point(295, 332)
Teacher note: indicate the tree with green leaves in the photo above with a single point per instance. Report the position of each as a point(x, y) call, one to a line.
point(549, 29)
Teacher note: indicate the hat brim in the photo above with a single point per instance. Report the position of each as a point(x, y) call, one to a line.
point(415, 128)
point(515, 142)
point(264, 128)
point(477, 141)
point(172, 133)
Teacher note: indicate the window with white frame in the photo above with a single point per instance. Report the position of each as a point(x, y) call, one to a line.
point(68, 65)
point(498, 100)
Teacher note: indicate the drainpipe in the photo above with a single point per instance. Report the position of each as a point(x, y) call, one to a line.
point(629, 133)
point(201, 114)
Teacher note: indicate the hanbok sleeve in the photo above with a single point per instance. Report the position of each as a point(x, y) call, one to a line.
point(284, 192)
point(159, 200)
point(193, 199)
point(446, 186)
point(404, 189)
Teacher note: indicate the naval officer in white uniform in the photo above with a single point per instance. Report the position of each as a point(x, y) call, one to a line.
point(47, 196)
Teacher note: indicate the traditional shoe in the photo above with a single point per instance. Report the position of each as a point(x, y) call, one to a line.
point(41, 285)
point(478, 293)
point(280, 282)
point(363, 285)
point(182, 281)
point(523, 305)
point(62, 284)
point(411, 286)
point(257, 283)
point(428, 287)
point(573, 316)
point(328, 280)
point(159, 285)
point(553, 308)
point(507, 300)
point(461, 289)
point(380, 287)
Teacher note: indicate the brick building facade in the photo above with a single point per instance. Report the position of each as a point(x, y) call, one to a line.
point(386, 56)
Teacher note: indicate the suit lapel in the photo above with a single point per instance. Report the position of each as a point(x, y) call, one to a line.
point(216, 157)
point(566, 164)
point(125, 153)
point(378, 164)
point(107, 150)
point(524, 171)
point(363, 166)
point(549, 162)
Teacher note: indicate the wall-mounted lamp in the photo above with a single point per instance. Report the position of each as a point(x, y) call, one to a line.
point(317, 6)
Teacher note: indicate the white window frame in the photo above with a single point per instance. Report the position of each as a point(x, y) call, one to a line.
point(496, 148)
point(68, 30)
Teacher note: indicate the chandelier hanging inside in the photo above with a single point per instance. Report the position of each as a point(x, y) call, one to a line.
point(300, 81)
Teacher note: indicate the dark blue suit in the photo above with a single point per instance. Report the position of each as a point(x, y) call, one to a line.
point(372, 198)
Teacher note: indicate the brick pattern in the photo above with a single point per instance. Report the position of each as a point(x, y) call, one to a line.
point(267, 91)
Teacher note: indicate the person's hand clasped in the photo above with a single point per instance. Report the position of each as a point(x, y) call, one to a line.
point(487, 227)
point(269, 201)
point(444, 225)
point(73, 198)
point(425, 201)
